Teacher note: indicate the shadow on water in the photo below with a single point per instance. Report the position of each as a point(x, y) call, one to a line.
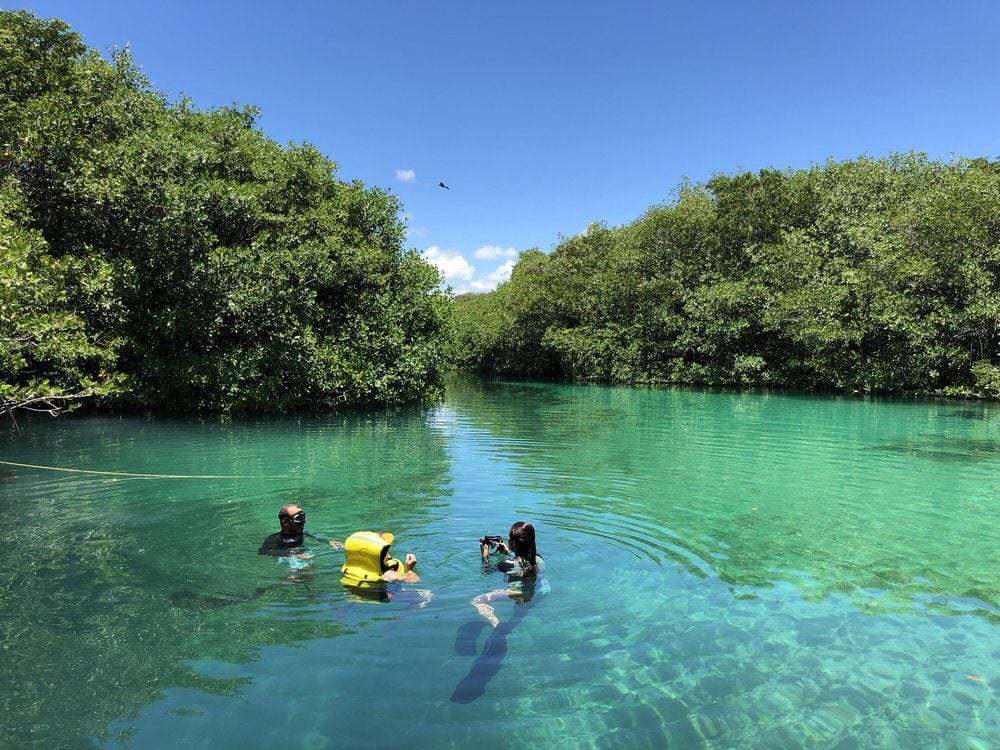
point(539, 393)
point(489, 662)
point(194, 600)
point(950, 449)
point(982, 412)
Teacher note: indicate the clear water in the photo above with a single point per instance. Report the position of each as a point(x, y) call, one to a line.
point(749, 570)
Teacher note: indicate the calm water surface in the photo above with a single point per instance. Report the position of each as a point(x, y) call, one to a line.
point(750, 570)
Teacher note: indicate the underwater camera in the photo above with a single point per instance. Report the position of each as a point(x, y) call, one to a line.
point(491, 541)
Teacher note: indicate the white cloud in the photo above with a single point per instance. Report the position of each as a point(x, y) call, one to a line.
point(462, 276)
point(492, 252)
point(490, 281)
point(406, 175)
point(453, 266)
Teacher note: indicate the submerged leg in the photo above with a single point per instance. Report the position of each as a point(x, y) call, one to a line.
point(483, 607)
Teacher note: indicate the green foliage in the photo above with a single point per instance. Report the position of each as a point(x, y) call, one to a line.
point(872, 275)
point(209, 267)
point(48, 357)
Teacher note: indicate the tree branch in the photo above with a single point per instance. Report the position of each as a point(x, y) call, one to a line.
point(53, 404)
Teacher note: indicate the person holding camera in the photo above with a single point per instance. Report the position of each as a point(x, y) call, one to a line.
point(523, 569)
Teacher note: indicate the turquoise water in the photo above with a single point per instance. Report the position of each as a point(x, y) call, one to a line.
point(747, 570)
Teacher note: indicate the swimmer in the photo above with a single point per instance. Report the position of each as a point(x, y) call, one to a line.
point(524, 577)
point(370, 572)
point(290, 541)
point(522, 571)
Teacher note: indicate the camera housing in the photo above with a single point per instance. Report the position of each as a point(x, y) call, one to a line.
point(491, 541)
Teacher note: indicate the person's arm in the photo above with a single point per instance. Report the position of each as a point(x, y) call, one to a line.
point(332, 542)
point(410, 576)
point(268, 546)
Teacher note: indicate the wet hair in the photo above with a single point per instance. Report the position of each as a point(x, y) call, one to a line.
point(381, 561)
point(522, 542)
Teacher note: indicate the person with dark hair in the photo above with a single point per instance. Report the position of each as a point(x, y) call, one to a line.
point(290, 541)
point(524, 579)
point(522, 570)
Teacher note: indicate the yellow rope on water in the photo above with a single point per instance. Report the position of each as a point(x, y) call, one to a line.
point(127, 474)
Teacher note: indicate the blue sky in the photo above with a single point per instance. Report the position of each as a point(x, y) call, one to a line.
point(543, 117)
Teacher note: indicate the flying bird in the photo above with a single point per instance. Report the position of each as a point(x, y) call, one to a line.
point(441, 184)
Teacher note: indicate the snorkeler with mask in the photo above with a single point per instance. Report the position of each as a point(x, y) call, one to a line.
point(290, 542)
